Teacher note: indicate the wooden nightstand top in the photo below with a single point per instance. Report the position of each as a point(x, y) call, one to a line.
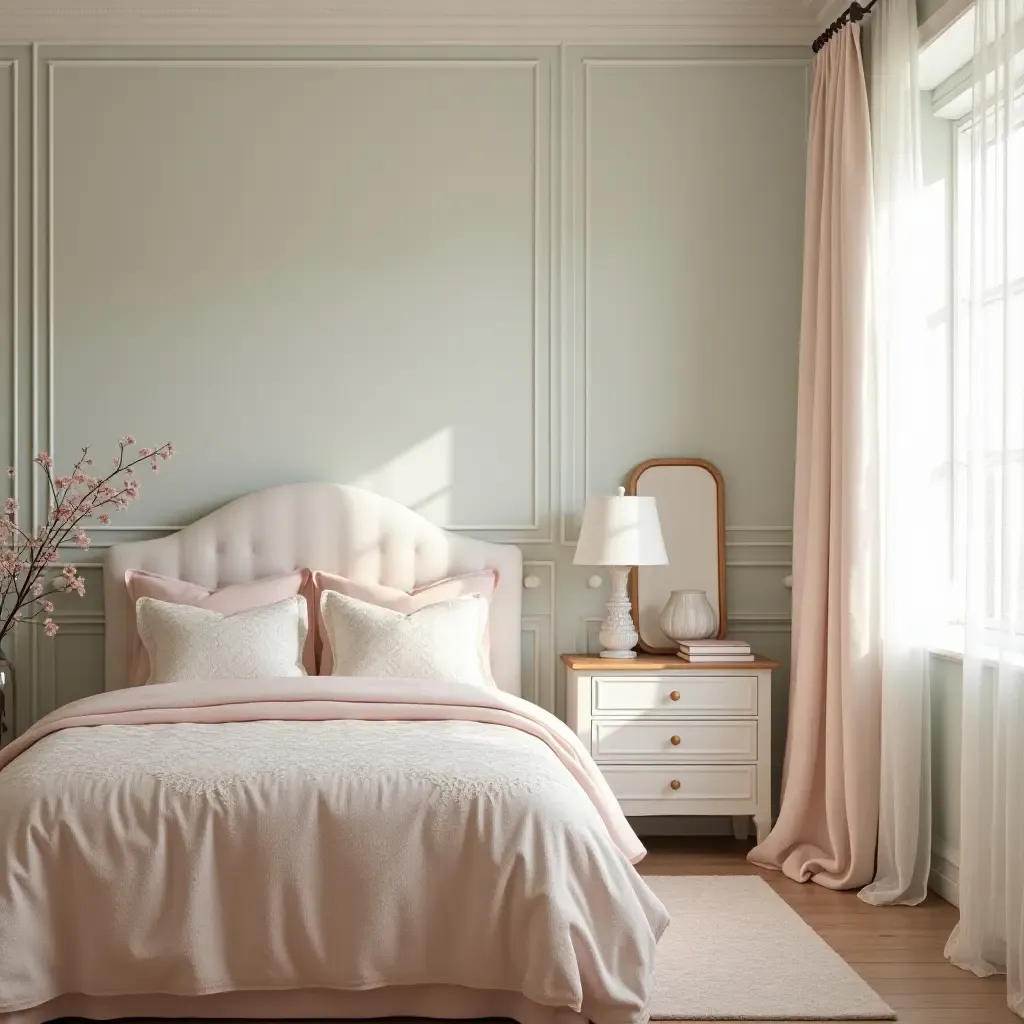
point(658, 663)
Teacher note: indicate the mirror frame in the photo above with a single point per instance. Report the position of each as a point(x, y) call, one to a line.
point(634, 573)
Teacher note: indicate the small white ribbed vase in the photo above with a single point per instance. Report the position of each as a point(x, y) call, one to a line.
point(688, 615)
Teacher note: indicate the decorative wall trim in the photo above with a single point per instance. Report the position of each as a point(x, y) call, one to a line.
point(759, 529)
point(532, 691)
point(587, 635)
point(575, 362)
point(746, 623)
point(544, 265)
point(67, 619)
point(735, 564)
point(757, 623)
point(396, 22)
point(539, 622)
point(14, 490)
point(36, 519)
point(45, 694)
point(15, 325)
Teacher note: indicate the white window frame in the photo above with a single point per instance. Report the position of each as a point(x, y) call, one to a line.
point(952, 643)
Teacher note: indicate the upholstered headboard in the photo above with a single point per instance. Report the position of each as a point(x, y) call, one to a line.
point(338, 529)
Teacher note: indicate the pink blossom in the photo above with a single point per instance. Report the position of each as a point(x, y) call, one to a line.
point(11, 507)
point(169, 448)
point(45, 460)
point(37, 588)
point(145, 452)
point(79, 477)
point(88, 462)
point(82, 539)
point(61, 482)
point(130, 470)
point(50, 627)
point(69, 572)
point(104, 519)
point(127, 441)
point(47, 607)
point(155, 466)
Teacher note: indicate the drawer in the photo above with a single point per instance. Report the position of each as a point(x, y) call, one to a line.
point(692, 740)
point(689, 695)
point(698, 783)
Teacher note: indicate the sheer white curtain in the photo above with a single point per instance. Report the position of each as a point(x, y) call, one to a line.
point(910, 457)
point(990, 936)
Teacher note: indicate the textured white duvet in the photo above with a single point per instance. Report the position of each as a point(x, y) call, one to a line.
point(167, 853)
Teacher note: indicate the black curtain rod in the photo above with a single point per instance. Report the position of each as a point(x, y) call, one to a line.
point(855, 12)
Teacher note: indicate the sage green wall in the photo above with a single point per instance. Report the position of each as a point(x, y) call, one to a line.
point(926, 8)
point(487, 281)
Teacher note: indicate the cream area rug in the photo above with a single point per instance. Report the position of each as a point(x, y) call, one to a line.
point(737, 951)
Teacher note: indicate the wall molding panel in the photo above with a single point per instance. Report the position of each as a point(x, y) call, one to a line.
point(14, 148)
point(578, 402)
point(13, 62)
point(545, 126)
point(585, 398)
point(539, 626)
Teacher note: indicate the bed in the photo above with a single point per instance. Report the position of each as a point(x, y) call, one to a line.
point(316, 846)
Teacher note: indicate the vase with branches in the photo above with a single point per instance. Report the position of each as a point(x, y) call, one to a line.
point(28, 580)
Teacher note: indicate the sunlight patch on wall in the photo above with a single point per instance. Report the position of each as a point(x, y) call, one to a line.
point(420, 477)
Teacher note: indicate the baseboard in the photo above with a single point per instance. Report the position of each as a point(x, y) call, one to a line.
point(945, 873)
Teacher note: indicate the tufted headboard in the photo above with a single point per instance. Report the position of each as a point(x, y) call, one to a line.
point(332, 527)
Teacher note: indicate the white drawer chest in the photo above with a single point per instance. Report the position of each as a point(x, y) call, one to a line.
point(673, 738)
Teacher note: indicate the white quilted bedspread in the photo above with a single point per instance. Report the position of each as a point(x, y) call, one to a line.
point(195, 857)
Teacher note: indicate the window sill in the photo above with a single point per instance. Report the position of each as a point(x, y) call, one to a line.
point(949, 645)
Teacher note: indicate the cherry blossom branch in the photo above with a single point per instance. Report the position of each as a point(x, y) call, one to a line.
point(23, 563)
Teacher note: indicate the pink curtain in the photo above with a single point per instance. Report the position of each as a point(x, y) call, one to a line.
point(827, 825)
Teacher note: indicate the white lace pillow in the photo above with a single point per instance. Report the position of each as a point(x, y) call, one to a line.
point(185, 643)
point(438, 642)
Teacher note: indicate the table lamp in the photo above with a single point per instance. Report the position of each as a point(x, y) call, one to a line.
point(620, 531)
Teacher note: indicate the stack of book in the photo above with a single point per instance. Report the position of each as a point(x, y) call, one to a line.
point(711, 652)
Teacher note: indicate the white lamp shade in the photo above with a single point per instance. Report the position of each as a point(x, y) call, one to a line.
point(621, 530)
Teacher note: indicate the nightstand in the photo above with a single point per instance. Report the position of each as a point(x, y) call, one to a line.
point(673, 738)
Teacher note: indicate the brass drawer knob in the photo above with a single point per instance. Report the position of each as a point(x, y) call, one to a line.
point(674, 695)
point(675, 741)
point(675, 783)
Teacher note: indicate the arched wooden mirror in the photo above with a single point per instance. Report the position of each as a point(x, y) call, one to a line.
point(690, 494)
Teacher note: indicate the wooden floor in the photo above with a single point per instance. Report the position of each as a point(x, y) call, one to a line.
point(897, 950)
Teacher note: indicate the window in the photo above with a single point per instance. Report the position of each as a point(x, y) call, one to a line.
point(988, 373)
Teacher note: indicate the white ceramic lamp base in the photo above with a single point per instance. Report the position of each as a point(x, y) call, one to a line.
point(618, 634)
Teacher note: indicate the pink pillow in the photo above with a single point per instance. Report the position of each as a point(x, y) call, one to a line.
point(237, 598)
point(482, 583)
